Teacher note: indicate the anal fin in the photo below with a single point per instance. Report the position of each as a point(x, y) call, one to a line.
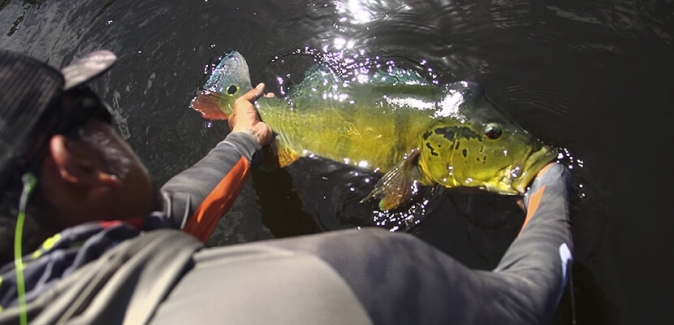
point(286, 157)
point(277, 156)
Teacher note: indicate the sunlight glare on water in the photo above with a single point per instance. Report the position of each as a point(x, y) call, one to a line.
point(359, 12)
point(356, 10)
point(404, 220)
point(575, 166)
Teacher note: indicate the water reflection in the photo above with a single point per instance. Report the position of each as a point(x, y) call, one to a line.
point(359, 26)
point(573, 73)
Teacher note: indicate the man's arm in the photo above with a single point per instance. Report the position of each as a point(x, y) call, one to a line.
point(198, 197)
point(388, 270)
point(537, 263)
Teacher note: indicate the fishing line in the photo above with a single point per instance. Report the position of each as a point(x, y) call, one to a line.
point(29, 182)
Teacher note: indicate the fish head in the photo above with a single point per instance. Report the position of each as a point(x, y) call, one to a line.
point(473, 143)
point(230, 79)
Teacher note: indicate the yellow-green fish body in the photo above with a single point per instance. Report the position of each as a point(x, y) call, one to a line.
point(396, 123)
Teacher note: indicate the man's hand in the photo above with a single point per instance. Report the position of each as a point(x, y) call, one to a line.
point(245, 118)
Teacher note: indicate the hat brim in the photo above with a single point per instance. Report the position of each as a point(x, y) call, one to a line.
point(87, 68)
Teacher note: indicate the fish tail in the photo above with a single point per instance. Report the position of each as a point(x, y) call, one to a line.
point(209, 105)
point(229, 80)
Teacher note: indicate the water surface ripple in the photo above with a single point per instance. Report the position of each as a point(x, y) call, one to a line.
point(591, 77)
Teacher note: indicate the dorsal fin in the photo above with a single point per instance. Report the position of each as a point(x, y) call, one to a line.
point(318, 80)
point(397, 76)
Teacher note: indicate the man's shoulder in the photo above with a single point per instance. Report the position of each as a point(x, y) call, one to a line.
point(67, 251)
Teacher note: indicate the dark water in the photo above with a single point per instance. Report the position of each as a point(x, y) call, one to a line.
point(595, 77)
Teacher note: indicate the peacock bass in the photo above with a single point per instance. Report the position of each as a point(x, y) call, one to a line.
point(394, 122)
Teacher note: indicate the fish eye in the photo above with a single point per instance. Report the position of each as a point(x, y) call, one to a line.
point(232, 90)
point(493, 131)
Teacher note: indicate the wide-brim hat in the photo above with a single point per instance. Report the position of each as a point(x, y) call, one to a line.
point(30, 92)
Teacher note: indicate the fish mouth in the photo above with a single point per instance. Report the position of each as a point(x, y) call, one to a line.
point(531, 166)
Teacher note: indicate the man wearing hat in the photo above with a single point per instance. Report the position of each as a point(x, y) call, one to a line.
point(86, 239)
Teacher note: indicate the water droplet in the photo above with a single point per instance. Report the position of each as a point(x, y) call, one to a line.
point(208, 124)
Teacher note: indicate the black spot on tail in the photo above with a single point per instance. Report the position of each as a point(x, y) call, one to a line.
point(457, 132)
point(464, 152)
point(427, 134)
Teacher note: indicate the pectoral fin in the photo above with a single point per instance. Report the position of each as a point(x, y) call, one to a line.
point(398, 185)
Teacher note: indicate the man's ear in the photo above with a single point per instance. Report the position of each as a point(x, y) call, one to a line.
point(78, 165)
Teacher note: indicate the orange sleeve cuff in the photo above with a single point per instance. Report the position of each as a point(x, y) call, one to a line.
point(204, 220)
point(534, 202)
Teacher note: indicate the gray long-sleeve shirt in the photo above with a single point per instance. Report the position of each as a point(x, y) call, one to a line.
point(368, 276)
